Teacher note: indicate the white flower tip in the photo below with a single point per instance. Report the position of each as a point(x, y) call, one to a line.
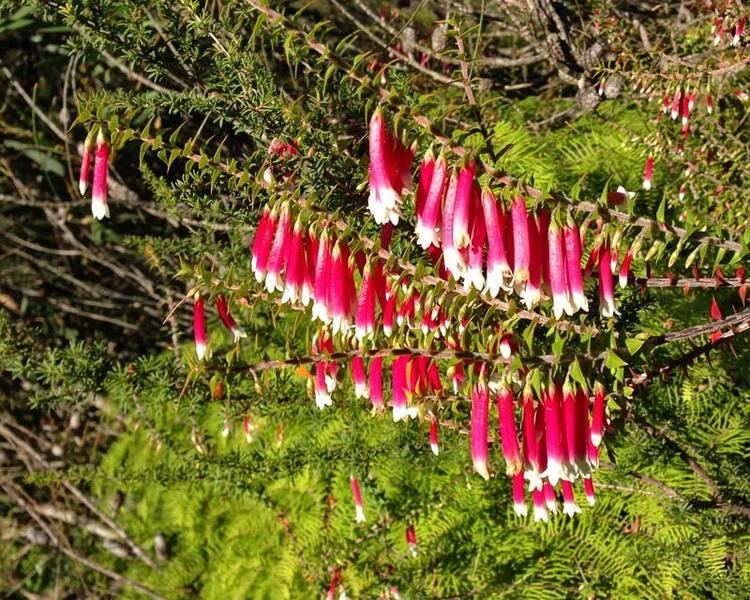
point(225, 431)
point(249, 437)
point(520, 509)
point(83, 185)
point(596, 438)
point(359, 514)
point(591, 500)
point(238, 334)
point(99, 208)
point(646, 184)
point(480, 466)
point(540, 514)
point(553, 472)
point(534, 479)
point(571, 508)
point(361, 390)
point(322, 400)
point(200, 350)
point(435, 449)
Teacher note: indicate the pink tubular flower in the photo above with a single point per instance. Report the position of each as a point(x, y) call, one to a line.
point(428, 217)
point(297, 287)
point(279, 251)
point(359, 376)
point(365, 316)
point(384, 198)
point(588, 487)
point(571, 429)
point(411, 539)
point(531, 449)
point(389, 312)
point(83, 178)
point(479, 409)
point(426, 171)
point(474, 274)
point(625, 268)
point(199, 326)
point(451, 256)
point(675, 112)
point(521, 258)
point(499, 274)
point(376, 383)
point(597, 415)
point(322, 391)
point(358, 508)
point(553, 434)
point(400, 388)
point(739, 28)
point(540, 505)
point(573, 267)
point(606, 284)
point(533, 292)
point(519, 496)
point(262, 243)
point(583, 433)
point(226, 318)
point(461, 234)
point(508, 434)
point(320, 309)
point(558, 272)
point(434, 436)
point(648, 173)
point(99, 206)
point(340, 288)
point(570, 506)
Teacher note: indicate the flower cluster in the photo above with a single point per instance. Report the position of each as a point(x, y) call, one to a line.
point(99, 206)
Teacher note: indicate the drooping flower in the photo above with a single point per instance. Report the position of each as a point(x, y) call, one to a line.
point(341, 295)
point(426, 171)
point(359, 376)
point(553, 434)
point(558, 272)
point(429, 215)
point(521, 258)
point(376, 383)
point(570, 506)
point(320, 309)
point(434, 436)
point(675, 111)
point(358, 508)
point(365, 316)
point(531, 452)
point(499, 274)
point(533, 292)
point(400, 387)
point(297, 286)
point(411, 539)
point(519, 495)
point(451, 256)
point(508, 345)
point(479, 415)
point(606, 283)
point(648, 173)
point(739, 29)
point(625, 268)
point(588, 487)
point(474, 274)
point(571, 429)
point(99, 206)
point(462, 210)
point(508, 434)
point(279, 251)
point(322, 393)
point(597, 415)
point(583, 433)
point(85, 174)
point(389, 171)
point(226, 318)
point(389, 312)
point(577, 295)
point(262, 243)
point(540, 505)
point(199, 326)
